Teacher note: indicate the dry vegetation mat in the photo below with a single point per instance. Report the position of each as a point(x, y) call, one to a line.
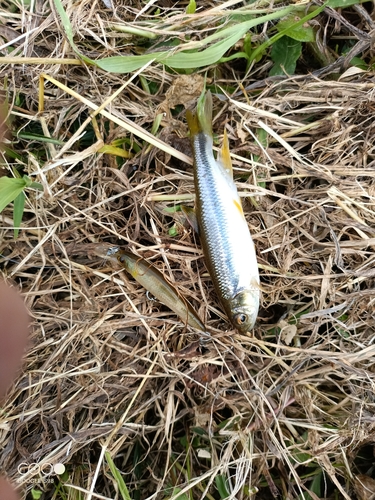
point(114, 386)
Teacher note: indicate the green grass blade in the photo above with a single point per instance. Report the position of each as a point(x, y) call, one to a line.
point(188, 56)
point(221, 485)
point(335, 4)
point(9, 190)
point(118, 478)
point(68, 29)
point(39, 138)
point(18, 208)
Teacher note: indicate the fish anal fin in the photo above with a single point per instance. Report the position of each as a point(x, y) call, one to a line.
point(238, 205)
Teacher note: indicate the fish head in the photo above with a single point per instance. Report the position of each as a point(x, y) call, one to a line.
point(244, 310)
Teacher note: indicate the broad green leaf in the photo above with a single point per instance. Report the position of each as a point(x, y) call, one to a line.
point(117, 477)
point(183, 59)
point(127, 64)
point(285, 53)
point(176, 492)
point(290, 27)
point(260, 50)
point(36, 494)
point(192, 7)
point(173, 231)
point(9, 190)
point(18, 208)
point(359, 63)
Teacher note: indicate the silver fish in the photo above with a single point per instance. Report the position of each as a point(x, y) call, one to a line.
point(227, 244)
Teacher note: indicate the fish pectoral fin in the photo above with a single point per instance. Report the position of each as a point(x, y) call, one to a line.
point(224, 155)
point(255, 285)
point(191, 217)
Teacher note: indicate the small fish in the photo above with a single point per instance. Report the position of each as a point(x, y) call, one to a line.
point(227, 245)
point(153, 281)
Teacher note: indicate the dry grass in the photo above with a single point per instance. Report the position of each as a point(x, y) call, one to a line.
point(270, 412)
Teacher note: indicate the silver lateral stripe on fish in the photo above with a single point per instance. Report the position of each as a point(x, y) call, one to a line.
point(153, 281)
point(227, 245)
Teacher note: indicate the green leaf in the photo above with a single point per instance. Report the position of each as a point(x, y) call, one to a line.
point(65, 20)
point(359, 63)
point(117, 477)
point(316, 485)
point(68, 29)
point(9, 190)
point(260, 50)
point(192, 7)
point(39, 138)
point(221, 485)
point(113, 150)
point(247, 44)
point(188, 59)
point(156, 124)
point(176, 491)
point(36, 494)
point(173, 231)
point(36, 185)
point(18, 208)
point(285, 53)
point(342, 3)
point(13, 154)
point(291, 27)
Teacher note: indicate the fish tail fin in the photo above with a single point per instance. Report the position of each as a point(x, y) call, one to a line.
point(193, 123)
point(201, 120)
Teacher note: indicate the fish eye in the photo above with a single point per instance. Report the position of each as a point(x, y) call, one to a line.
point(240, 319)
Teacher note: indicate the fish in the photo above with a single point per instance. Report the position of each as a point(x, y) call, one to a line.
point(228, 247)
point(153, 281)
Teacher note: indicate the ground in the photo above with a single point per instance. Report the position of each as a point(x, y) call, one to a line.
point(114, 386)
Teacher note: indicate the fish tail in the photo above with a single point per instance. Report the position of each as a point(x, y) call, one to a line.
point(201, 119)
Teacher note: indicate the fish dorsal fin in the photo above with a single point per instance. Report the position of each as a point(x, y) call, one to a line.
point(224, 155)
